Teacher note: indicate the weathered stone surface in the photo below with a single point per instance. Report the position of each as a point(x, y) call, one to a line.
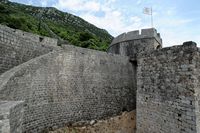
point(11, 115)
point(132, 43)
point(70, 85)
point(63, 85)
point(167, 90)
point(17, 47)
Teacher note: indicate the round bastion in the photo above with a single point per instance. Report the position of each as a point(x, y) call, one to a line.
point(134, 42)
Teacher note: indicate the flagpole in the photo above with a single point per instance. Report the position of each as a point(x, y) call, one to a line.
point(149, 11)
point(151, 17)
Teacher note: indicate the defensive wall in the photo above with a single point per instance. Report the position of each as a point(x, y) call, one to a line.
point(69, 85)
point(17, 46)
point(167, 82)
point(168, 90)
point(134, 42)
point(11, 114)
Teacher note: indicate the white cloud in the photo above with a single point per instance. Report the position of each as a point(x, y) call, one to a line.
point(118, 20)
point(139, 2)
point(30, 2)
point(44, 3)
point(170, 12)
point(113, 20)
point(78, 5)
point(172, 22)
point(135, 19)
point(173, 27)
point(177, 36)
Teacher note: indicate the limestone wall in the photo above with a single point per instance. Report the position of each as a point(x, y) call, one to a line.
point(132, 43)
point(168, 91)
point(11, 116)
point(197, 90)
point(70, 85)
point(17, 47)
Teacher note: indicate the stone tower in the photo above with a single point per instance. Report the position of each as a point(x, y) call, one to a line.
point(132, 43)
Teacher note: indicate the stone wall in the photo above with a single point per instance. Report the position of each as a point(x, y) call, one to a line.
point(70, 85)
point(17, 47)
point(11, 116)
point(132, 43)
point(197, 90)
point(168, 90)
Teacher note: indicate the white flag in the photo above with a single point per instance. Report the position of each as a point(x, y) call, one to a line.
point(147, 11)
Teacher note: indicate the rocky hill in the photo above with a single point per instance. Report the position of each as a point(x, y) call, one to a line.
point(49, 21)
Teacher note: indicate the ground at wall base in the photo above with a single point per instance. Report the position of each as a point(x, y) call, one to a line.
point(124, 123)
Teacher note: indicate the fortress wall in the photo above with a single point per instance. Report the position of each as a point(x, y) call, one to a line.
point(133, 47)
point(197, 91)
point(132, 43)
point(11, 116)
point(71, 85)
point(17, 47)
point(167, 90)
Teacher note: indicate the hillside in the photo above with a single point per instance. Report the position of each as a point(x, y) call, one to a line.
point(49, 21)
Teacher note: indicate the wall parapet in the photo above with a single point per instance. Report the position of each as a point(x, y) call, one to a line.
point(17, 47)
point(133, 35)
point(28, 36)
point(185, 46)
point(134, 42)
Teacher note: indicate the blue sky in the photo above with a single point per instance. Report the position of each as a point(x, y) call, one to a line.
point(176, 20)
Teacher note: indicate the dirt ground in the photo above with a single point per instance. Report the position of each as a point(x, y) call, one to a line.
point(124, 123)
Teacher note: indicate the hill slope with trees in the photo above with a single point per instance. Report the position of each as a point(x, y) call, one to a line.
point(49, 21)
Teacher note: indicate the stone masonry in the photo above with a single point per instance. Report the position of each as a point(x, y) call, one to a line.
point(132, 43)
point(17, 47)
point(45, 86)
point(11, 114)
point(167, 90)
point(67, 85)
point(167, 82)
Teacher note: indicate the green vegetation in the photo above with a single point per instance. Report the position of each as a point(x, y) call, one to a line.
point(54, 23)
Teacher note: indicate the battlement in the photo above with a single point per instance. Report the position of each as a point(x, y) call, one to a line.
point(134, 42)
point(10, 33)
point(19, 46)
point(134, 35)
